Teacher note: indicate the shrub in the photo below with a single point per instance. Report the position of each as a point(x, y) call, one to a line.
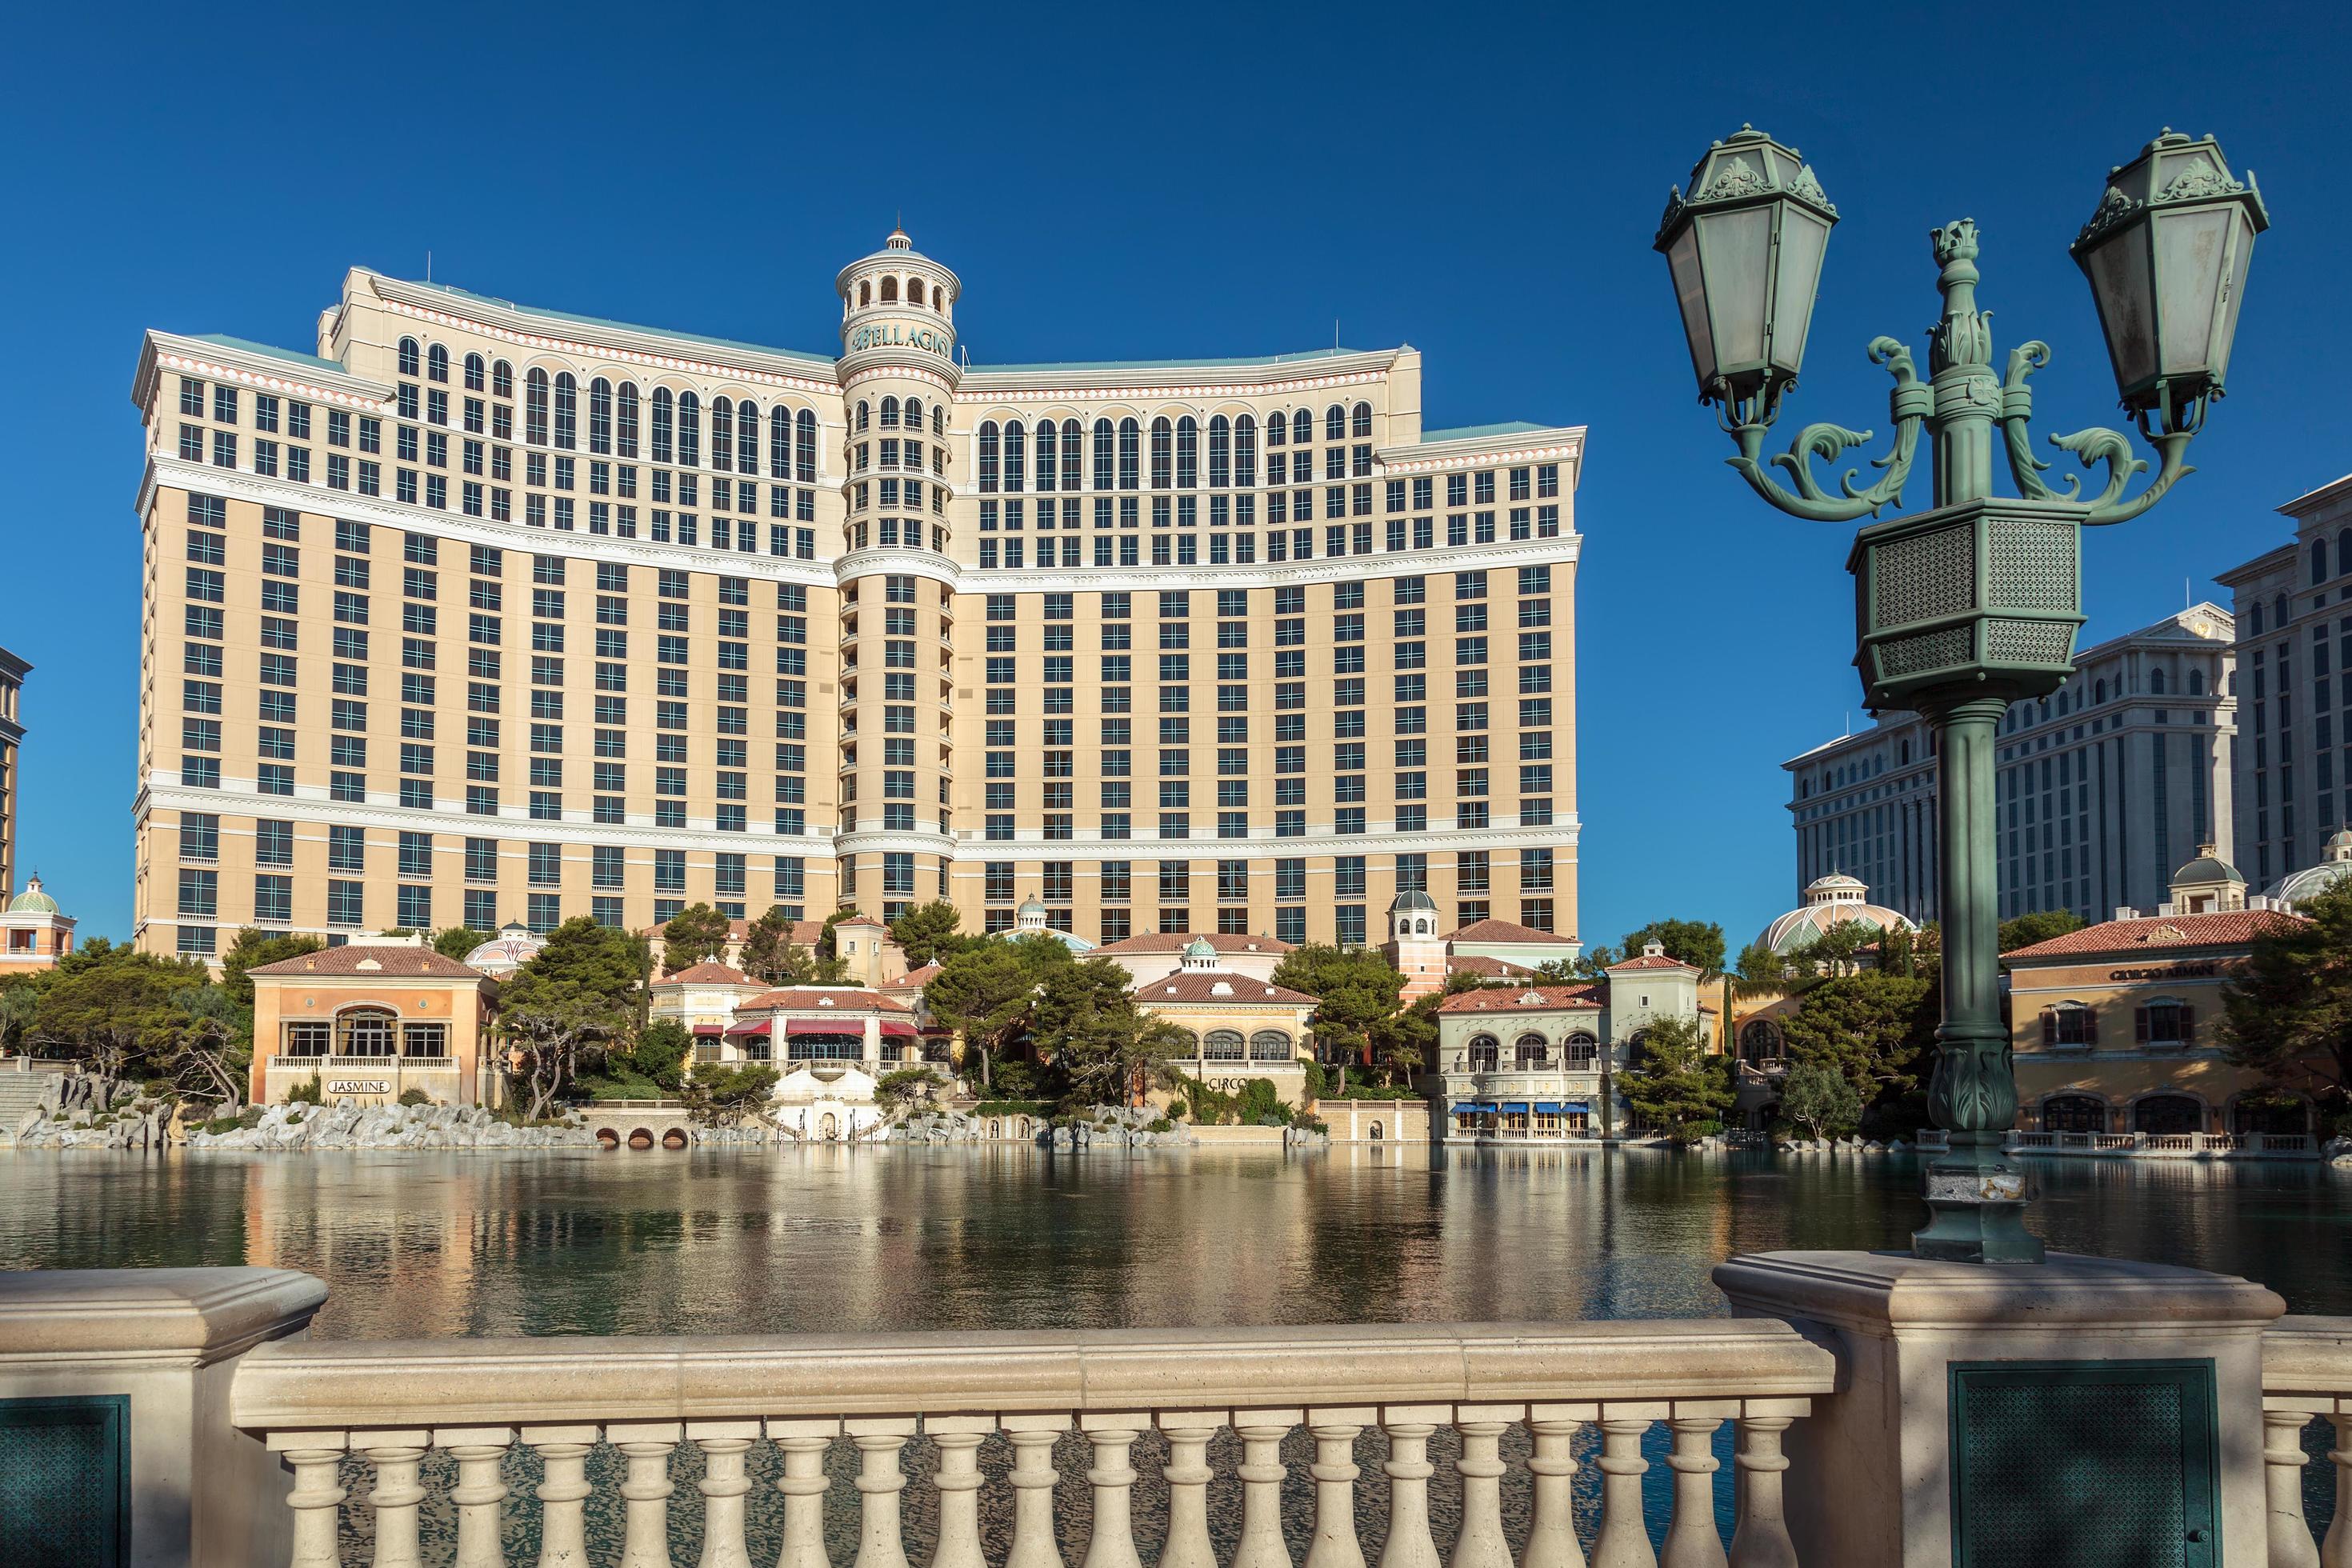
point(249, 1118)
point(220, 1124)
point(1161, 1124)
point(307, 1092)
point(1011, 1108)
point(415, 1097)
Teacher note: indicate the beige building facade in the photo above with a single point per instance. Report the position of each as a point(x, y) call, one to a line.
point(371, 1020)
point(13, 671)
point(483, 612)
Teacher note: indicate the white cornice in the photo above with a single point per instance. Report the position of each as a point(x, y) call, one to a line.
point(245, 367)
point(903, 562)
point(1564, 444)
point(875, 841)
point(1325, 569)
point(1049, 383)
point(1380, 839)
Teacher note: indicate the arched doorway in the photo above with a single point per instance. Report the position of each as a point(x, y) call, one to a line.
point(2277, 1119)
point(675, 1138)
point(1759, 1042)
point(2167, 1114)
point(607, 1137)
point(1378, 1134)
point(2074, 1114)
point(826, 1128)
point(640, 1138)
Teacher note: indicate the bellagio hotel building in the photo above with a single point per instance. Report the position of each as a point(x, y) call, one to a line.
point(488, 612)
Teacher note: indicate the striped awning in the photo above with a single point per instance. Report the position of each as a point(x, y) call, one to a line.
point(711, 1029)
point(1515, 1108)
point(825, 1026)
point(899, 1028)
point(758, 1029)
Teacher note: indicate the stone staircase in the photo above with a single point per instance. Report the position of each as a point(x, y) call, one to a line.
point(20, 1093)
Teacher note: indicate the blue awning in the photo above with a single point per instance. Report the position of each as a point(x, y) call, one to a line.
point(1575, 1107)
point(1547, 1107)
point(1475, 1107)
point(1516, 1107)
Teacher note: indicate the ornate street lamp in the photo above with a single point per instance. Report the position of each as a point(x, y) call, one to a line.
point(1968, 607)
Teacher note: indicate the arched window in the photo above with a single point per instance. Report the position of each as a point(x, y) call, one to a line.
point(1361, 420)
point(780, 442)
point(2283, 1117)
point(1073, 453)
point(2278, 612)
point(1335, 423)
point(474, 373)
point(2173, 1113)
point(2254, 618)
point(2319, 561)
point(2196, 682)
point(2074, 1114)
point(2166, 1021)
point(1271, 1045)
point(804, 446)
point(1187, 454)
point(1102, 455)
point(1637, 1052)
point(690, 430)
point(567, 411)
point(534, 408)
point(1581, 1051)
point(2155, 680)
point(865, 293)
point(2069, 1024)
point(889, 291)
point(408, 362)
point(502, 380)
point(2098, 692)
point(1759, 1042)
point(1048, 464)
point(747, 437)
point(722, 434)
point(1529, 1051)
point(625, 442)
point(1130, 454)
point(600, 415)
point(915, 415)
point(865, 415)
point(939, 297)
point(1483, 1053)
point(988, 453)
point(1016, 455)
point(889, 411)
point(664, 425)
point(1277, 430)
point(1220, 452)
point(1302, 428)
point(364, 1032)
point(437, 365)
point(1246, 451)
point(1223, 1045)
point(1163, 453)
point(2343, 550)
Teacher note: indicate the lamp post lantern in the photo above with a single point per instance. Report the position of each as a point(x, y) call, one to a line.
point(1972, 605)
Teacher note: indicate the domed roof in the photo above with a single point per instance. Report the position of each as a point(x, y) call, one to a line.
point(2208, 866)
point(2297, 886)
point(1032, 905)
point(1200, 947)
point(515, 945)
point(1413, 901)
point(1830, 900)
point(32, 900)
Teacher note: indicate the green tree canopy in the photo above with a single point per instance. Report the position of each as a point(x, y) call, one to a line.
point(1697, 942)
point(1677, 1086)
point(249, 951)
point(989, 992)
point(1108, 1049)
point(2041, 925)
point(696, 933)
point(1875, 1030)
point(113, 1008)
point(1356, 989)
point(576, 998)
point(2286, 1013)
point(927, 933)
point(1820, 1101)
point(725, 1097)
point(1759, 965)
point(770, 954)
point(456, 941)
point(212, 1052)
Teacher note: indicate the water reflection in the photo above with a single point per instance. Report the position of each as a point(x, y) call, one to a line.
point(733, 1242)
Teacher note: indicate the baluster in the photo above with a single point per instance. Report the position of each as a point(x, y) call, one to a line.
point(480, 1492)
point(803, 1443)
point(2337, 1551)
point(1335, 1471)
point(647, 1445)
point(880, 1542)
point(562, 1523)
point(1409, 1427)
point(392, 1456)
point(1112, 1542)
point(1551, 1534)
point(1693, 1540)
point(958, 1440)
point(1262, 1472)
point(1624, 1540)
point(1033, 1480)
point(723, 1486)
point(1761, 1539)
point(2282, 1462)
point(1481, 1543)
point(1188, 1475)
point(316, 1499)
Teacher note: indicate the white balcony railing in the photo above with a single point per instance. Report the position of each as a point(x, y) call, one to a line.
point(388, 1403)
point(2307, 1376)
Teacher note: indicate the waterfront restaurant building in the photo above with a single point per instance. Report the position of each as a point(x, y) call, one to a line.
point(371, 1019)
point(471, 610)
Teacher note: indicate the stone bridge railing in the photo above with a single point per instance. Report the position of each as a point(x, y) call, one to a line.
point(2307, 1376)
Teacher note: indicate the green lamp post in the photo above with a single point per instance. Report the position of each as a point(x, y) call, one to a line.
point(1972, 605)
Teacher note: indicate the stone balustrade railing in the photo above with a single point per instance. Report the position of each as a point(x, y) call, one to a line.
point(389, 1404)
point(2307, 1376)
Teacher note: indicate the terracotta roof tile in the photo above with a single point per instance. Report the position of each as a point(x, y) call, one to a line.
point(1203, 985)
point(914, 980)
point(370, 959)
point(2224, 928)
point(1170, 941)
point(1646, 962)
point(1501, 999)
point(823, 998)
point(1506, 930)
point(1474, 963)
point(709, 973)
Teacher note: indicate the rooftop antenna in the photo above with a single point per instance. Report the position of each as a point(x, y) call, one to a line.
point(428, 267)
point(1335, 331)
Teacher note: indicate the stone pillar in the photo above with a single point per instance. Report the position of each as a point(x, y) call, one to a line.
point(1873, 1472)
point(165, 1343)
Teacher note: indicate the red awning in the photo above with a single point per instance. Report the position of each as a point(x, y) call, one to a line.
point(825, 1027)
point(897, 1027)
point(758, 1029)
point(710, 1028)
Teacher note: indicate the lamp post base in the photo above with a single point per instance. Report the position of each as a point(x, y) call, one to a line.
point(1975, 1207)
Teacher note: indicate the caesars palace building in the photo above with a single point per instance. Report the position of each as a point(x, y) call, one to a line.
point(487, 612)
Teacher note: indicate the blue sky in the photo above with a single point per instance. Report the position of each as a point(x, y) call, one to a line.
point(1140, 182)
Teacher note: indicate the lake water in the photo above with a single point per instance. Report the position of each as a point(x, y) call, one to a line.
point(742, 1241)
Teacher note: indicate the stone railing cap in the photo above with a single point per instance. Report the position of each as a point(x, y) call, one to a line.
point(2308, 1356)
point(1882, 1291)
point(202, 1314)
